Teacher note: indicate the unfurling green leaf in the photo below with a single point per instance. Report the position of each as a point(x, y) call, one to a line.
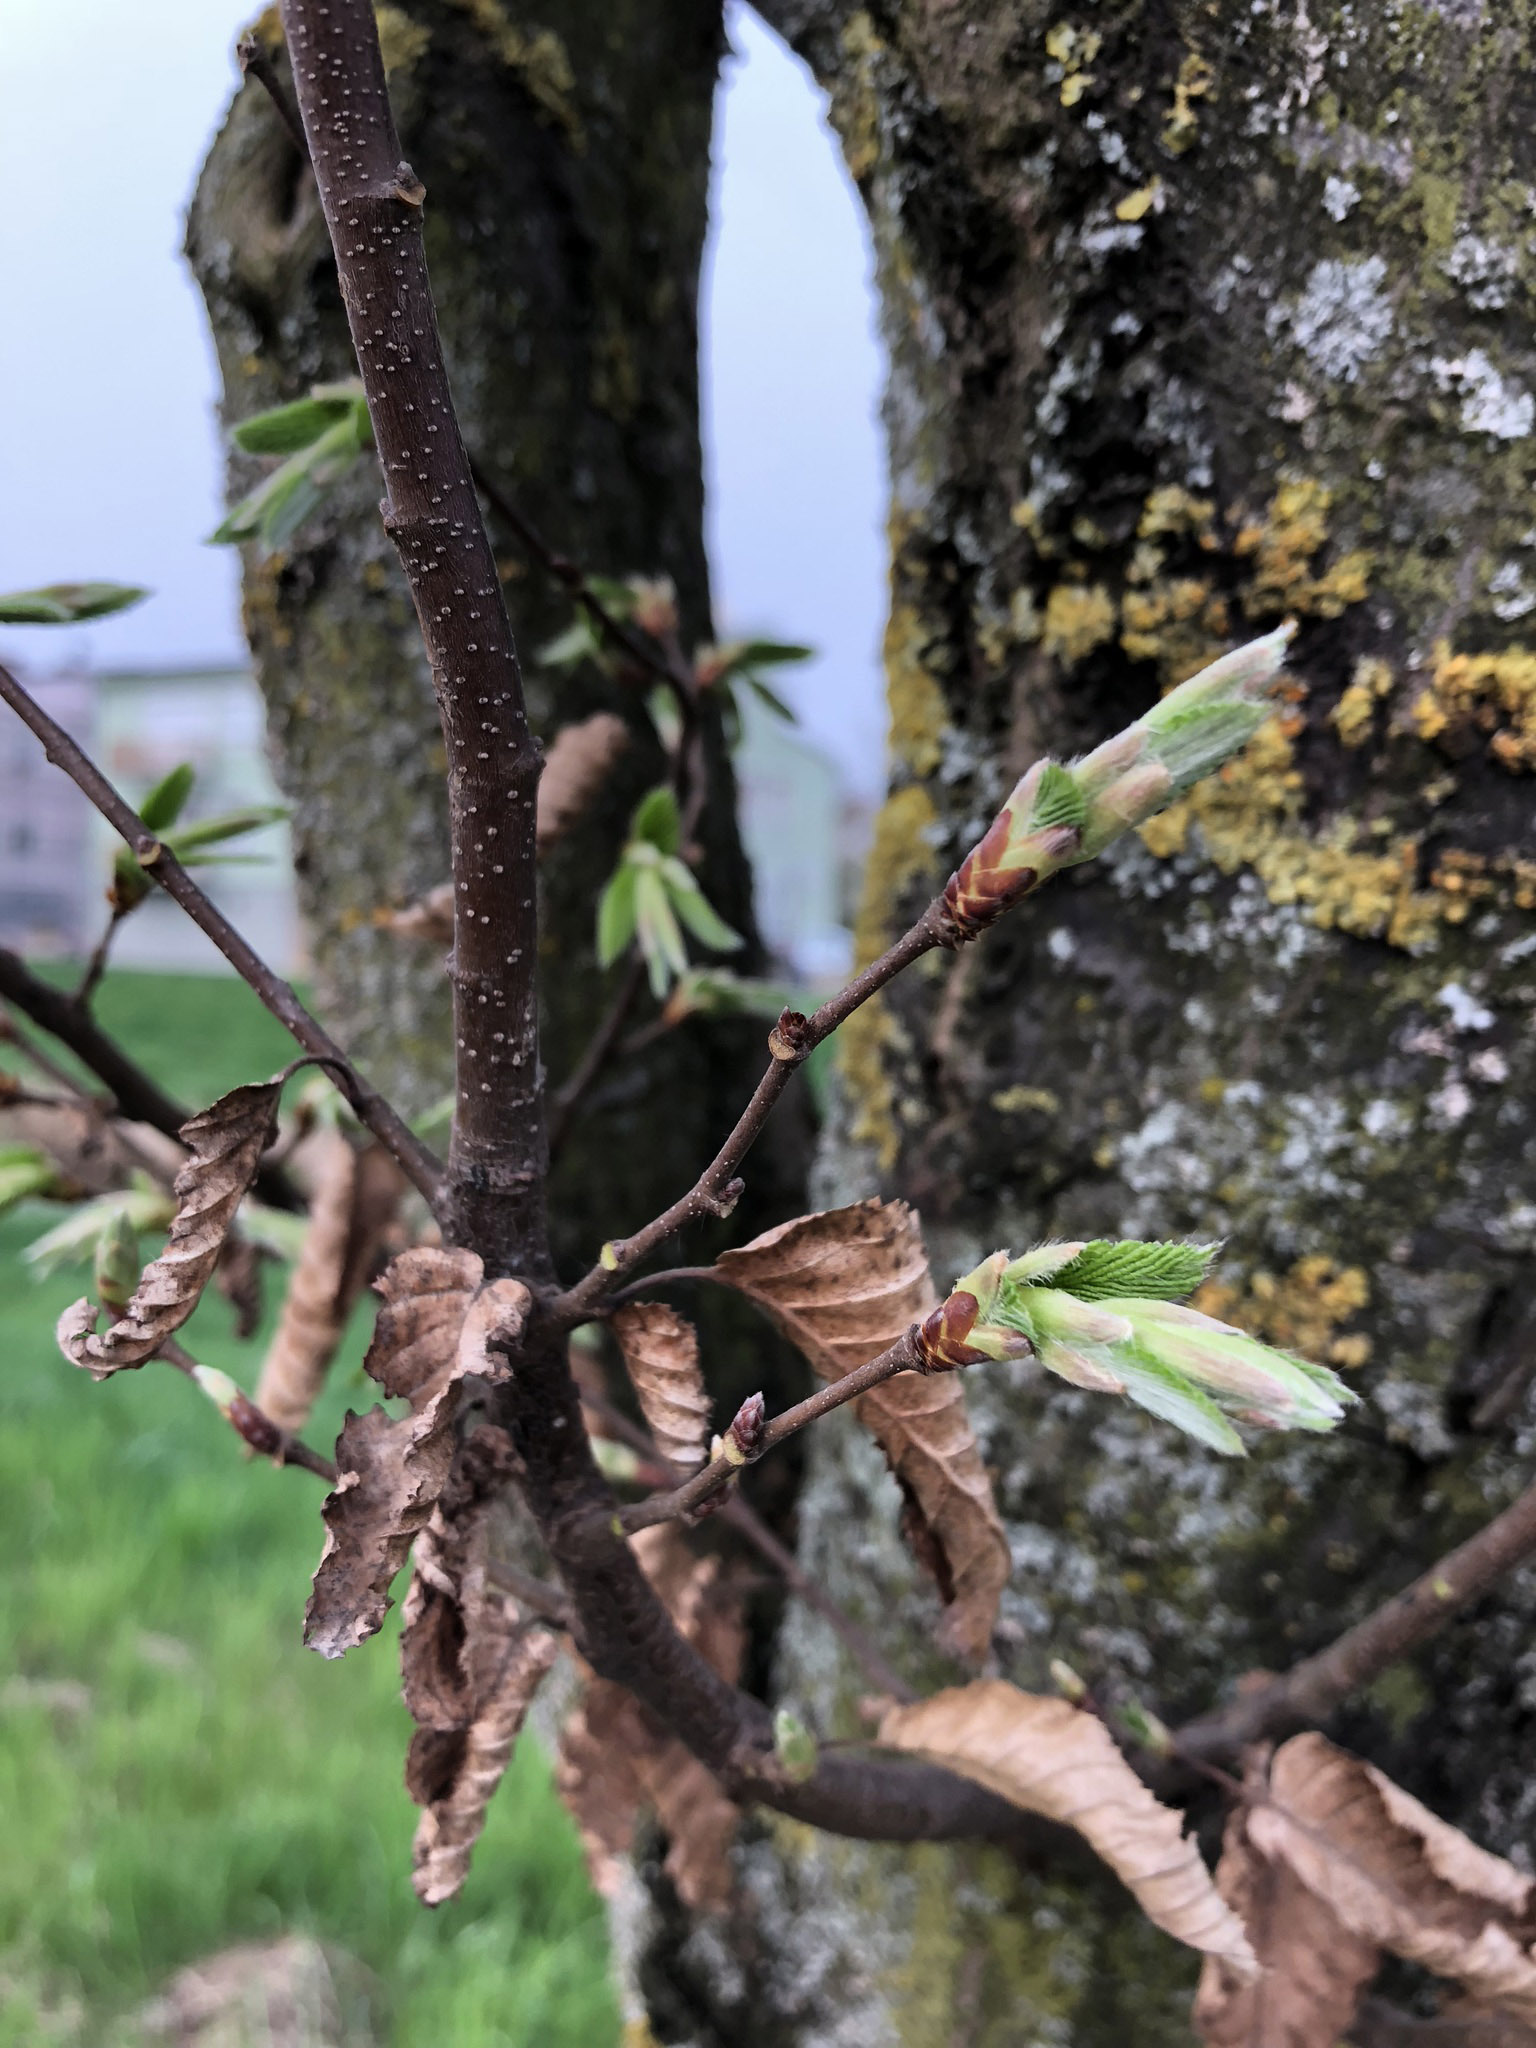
point(67, 604)
point(1099, 1315)
point(656, 821)
point(616, 915)
point(716, 991)
point(656, 927)
point(279, 505)
point(1057, 800)
point(1109, 1266)
point(579, 642)
point(165, 802)
point(117, 1263)
point(141, 1208)
point(288, 428)
point(695, 910)
point(188, 839)
point(24, 1172)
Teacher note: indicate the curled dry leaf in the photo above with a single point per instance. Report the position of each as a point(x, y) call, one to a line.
point(1395, 1875)
point(314, 1314)
point(614, 1759)
point(1051, 1758)
point(467, 1768)
point(225, 1142)
point(661, 1356)
point(1313, 1969)
point(429, 917)
point(391, 1473)
point(575, 769)
point(843, 1285)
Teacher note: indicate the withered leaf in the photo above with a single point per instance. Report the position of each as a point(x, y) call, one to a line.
point(225, 1142)
point(661, 1356)
point(843, 1285)
point(579, 760)
point(1050, 1757)
point(391, 1473)
point(314, 1314)
point(1396, 1875)
point(1313, 1968)
point(614, 1759)
point(453, 1819)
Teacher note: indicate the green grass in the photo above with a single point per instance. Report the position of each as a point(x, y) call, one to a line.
point(215, 1782)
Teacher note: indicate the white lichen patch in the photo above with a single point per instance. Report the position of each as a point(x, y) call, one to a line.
point(1485, 270)
point(1490, 403)
point(1341, 318)
point(1339, 195)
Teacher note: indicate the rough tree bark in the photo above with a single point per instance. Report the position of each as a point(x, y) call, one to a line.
point(1198, 316)
point(565, 156)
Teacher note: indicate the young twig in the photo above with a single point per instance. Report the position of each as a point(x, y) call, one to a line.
point(714, 1193)
point(266, 1437)
point(414, 1159)
point(1310, 1691)
point(599, 1051)
point(136, 1095)
point(902, 1356)
point(738, 1516)
point(255, 63)
point(96, 966)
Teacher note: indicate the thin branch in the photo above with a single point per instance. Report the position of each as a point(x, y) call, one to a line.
point(255, 63)
point(715, 1192)
point(414, 1159)
point(267, 1438)
point(665, 1278)
point(96, 966)
point(1310, 1691)
point(902, 1356)
point(863, 1651)
point(136, 1094)
point(598, 1052)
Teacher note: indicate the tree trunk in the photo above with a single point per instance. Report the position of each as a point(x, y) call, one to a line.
point(1199, 316)
point(566, 163)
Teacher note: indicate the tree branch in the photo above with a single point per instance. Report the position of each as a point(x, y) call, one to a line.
point(1310, 1691)
point(414, 1159)
point(715, 1191)
point(599, 1051)
point(902, 1356)
point(372, 202)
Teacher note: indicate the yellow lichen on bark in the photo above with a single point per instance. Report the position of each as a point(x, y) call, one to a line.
point(1249, 816)
point(1283, 545)
point(1493, 694)
point(918, 710)
point(898, 856)
point(538, 57)
point(1355, 712)
point(1299, 1310)
point(1078, 618)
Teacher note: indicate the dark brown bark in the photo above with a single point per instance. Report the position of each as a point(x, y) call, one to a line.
point(372, 201)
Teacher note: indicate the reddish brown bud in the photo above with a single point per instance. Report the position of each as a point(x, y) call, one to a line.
point(787, 1040)
point(744, 1439)
point(259, 1430)
point(940, 1339)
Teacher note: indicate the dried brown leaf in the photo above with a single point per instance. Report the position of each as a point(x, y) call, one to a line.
point(578, 764)
point(1397, 1875)
point(430, 917)
point(1314, 1969)
point(453, 1818)
point(661, 1356)
point(391, 1473)
point(1051, 1758)
point(843, 1285)
point(614, 1759)
point(314, 1313)
point(225, 1142)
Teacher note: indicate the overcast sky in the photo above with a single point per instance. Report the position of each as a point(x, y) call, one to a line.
point(109, 464)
